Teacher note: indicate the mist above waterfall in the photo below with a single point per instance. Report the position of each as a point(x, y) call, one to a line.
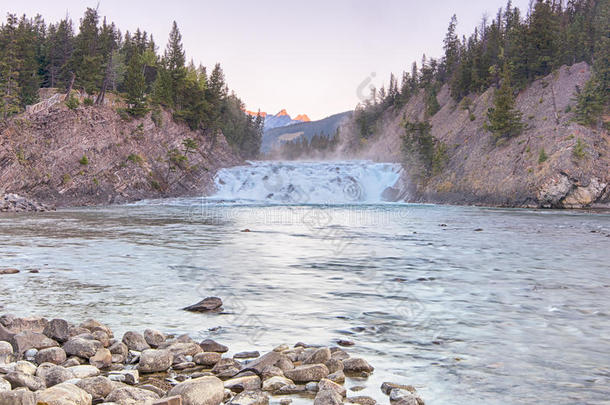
point(339, 182)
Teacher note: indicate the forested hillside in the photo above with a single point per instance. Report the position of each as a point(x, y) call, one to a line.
point(517, 114)
point(508, 52)
point(96, 58)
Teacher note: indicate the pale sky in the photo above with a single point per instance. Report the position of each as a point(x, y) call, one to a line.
point(308, 57)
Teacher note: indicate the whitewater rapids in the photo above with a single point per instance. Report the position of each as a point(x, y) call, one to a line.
point(340, 182)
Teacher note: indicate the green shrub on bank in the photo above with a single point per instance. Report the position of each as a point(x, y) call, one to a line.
point(72, 102)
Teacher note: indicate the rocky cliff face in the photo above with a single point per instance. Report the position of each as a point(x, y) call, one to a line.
point(92, 156)
point(479, 172)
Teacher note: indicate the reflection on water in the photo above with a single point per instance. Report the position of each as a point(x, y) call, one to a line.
point(515, 313)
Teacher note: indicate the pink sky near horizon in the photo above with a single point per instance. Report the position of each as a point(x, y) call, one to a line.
point(305, 57)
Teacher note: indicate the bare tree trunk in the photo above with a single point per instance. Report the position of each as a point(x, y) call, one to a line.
point(70, 86)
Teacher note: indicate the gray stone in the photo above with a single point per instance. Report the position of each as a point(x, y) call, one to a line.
point(272, 371)
point(57, 329)
point(326, 384)
point(184, 349)
point(387, 387)
point(17, 397)
point(131, 377)
point(4, 385)
point(154, 338)
point(258, 365)
point(403, 397)
point(284, 363)
point(53, 374)
point(208, 359)
point(92, 325)
point(30, 354)
point(102, 358)
point(210, 345)
point(337, 376)
point(334, 365)
point(327, 397)
point(246, 355)
point(131, 395)
point(98, 387)
point(101, 337)
point(64, 394)
point(25, 367)
point(26, 340)
point(313, 372)
point(319, 356)
point(226, 368)
point(362, 400)
point(239, 384)
point(290, 390)
point(275, 383)
point(119, 348)
point(356, 365)
point(154, 360)
point(72, 361)
point(200, 391)
point(206, 305)
point(176, 400)
point(55, 355)
point(20, 379)
point(18, 325)
point(312, 386)
point(250, 398)
point(83, 348)
point(293, 354)
point(84, 371)
point(135, 341)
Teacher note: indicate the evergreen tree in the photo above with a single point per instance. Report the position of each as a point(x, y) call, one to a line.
point(451, 45)
point(504, 120)
point(28, 79)
point(135, 86)
point(60, 45)
point(9, 73)
point(87, 61)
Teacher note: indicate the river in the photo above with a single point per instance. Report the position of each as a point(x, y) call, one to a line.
point(469, 305)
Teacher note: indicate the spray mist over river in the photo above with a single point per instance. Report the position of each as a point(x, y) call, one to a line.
point(469, 305)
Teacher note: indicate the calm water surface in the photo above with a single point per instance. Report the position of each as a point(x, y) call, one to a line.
point(515, 313)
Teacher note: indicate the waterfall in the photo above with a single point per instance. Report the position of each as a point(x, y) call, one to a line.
point(288, 182)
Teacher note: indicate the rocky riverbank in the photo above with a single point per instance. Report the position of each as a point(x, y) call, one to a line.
point(56, 362)
point(94, 155)
point(554, 163)
point(16, 203)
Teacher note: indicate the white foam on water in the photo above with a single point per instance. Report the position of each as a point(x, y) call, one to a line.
point(341, 182)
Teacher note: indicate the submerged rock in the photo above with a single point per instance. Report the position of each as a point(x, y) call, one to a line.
point(206, 305)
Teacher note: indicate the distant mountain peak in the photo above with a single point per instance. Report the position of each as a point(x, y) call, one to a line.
point(282, 113)
point(302, 118)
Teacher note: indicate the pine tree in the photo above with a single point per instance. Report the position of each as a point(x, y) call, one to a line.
point(451, 45)
point(9, 74)
point(60, 45)
point(504, 120)
point(87, 61)
point(135, 86)
point(174, 54)
point(28, 79)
